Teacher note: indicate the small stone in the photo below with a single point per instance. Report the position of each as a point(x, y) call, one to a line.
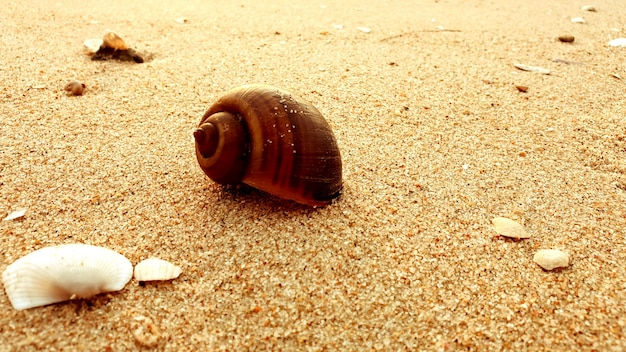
point(551, 259)
point(509, 228)
point(578, 20)
point(522, 89)
point(92, 45)
point(566, 38)
point(588, 8)
point(114, 41)
point(181, 20)
point(618, 42)
point(75, 88)
point(364, 29)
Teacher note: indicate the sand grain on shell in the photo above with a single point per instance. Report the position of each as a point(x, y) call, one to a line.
point(406, 258)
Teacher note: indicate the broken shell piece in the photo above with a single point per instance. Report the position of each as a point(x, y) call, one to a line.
point(153, 269)
point(578, 20)
point(114, 41)
point(364, 29)
point(588, 8)
point(92, 45)
point(15, 215)
point(522, 89)
point(551, 259)
point(509, 228)
point(618, 42)
point(61, 273)
point(529, 68)
point(181, 20)
point(75, 88)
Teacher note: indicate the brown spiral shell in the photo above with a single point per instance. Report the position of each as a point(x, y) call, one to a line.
point(272, 140)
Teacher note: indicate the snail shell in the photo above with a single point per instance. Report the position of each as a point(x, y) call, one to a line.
point(272, 140)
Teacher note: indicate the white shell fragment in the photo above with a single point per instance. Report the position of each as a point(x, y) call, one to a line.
point(578, 20)
point(15, 215)
point(364, 29)
point(618, 42)
point(153, 269)
point(590, 8)
point(529, 68)
point(509, 228)
point(551, 259)
point(61, 273)
point(92, 45)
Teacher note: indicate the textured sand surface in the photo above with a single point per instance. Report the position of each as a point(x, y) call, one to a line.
point(436, 141)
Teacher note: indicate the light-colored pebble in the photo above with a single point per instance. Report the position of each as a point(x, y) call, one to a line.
point(618, 42)
point(509, 228)
point(551, 259)
point(92, 45)
point(578, 20)
point(590, 8)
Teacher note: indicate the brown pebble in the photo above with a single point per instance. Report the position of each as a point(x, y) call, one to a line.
point(522, 89)
point(566, 38)
point(114, 41)
point(75, 88)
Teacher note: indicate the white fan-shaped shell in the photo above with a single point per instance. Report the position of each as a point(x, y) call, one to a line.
point(153, 269)
point(60, 273)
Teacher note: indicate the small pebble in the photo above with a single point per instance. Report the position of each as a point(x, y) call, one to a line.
point(618, 42)
point(551, 259)
point(75, 88)
point(522, 89)
point(114, 41)
point(364, 29)
point(588, 8)
point(566, 38)
point(92, 45)
point(578, 20)
point(509, 228)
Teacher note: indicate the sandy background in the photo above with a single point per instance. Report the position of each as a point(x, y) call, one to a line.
point(436, 141)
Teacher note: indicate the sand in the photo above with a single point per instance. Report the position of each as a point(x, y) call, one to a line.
point(436, 141)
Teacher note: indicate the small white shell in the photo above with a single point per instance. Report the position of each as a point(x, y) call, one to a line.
point(153, 269)
point(578, 20)
point(60, 273)
point(509, 228)
point(551, 258)
point(15, 215)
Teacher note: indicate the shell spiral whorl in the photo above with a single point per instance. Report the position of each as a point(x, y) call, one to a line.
point(272, 140)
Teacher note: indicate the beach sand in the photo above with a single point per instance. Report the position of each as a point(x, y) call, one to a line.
point(436, 141)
